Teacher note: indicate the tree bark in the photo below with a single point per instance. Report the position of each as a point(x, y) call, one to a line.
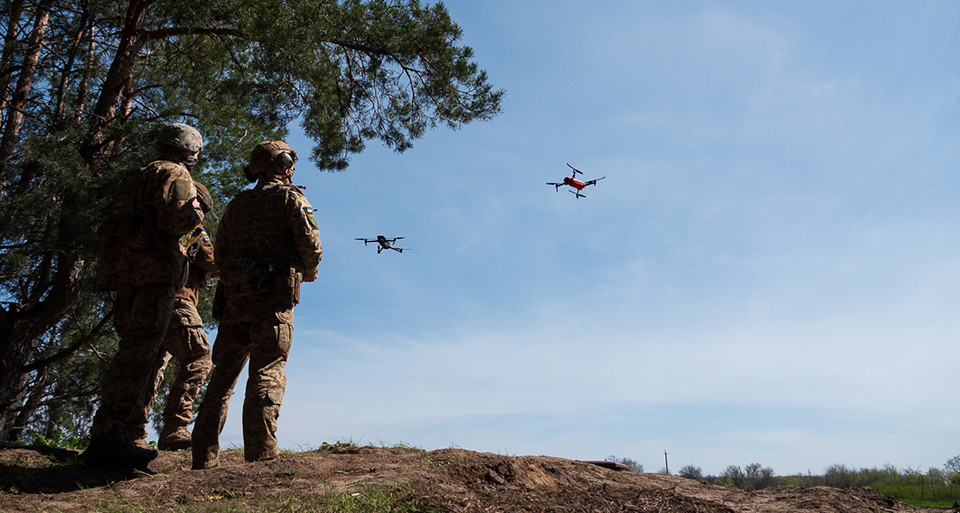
point(23, 328)
point(36, 394)
point(22, 325)
point(9, 44)
point(18, 102)
point(104, 112)
point(75, 49)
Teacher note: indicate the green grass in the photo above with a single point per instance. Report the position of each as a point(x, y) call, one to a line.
point(396, 500)
point(366, 500)
point(939, 496)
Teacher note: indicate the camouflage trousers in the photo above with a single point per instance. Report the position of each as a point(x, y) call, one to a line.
point(247, 331)
point(186, 342)
point(140, 317)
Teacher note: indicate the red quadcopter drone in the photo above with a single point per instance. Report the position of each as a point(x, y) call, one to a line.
point(576, 184)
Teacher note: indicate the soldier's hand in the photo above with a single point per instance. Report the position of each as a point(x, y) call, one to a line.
point(311, 277)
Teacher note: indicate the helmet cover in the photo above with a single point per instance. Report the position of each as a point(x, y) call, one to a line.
point(271, 157)
point(183, 136)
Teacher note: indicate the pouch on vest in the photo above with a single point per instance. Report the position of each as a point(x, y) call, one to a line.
point(268, 281)
point(287, 287)
point(128, 209)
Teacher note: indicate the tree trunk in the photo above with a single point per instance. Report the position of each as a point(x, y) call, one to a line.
point(104, 112)
point(83, 88)
point(18, 102)
point(75, 49)
point(23, 326)
point(9, 44)
point(37, 392)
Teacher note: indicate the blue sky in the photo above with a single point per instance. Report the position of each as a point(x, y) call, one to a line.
point(769, 273)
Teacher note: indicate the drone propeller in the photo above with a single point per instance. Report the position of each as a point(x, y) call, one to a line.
point(575, 170)
point(578, 193)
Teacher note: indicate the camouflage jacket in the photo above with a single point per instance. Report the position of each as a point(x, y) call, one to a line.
point(149, 250)
point(201, 267)
point(270, 225)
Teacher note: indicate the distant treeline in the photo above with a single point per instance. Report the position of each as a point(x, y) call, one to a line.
point(937, 487)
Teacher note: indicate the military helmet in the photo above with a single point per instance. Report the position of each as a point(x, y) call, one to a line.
point(270, 157)
point(183, 136)
point(204, 197)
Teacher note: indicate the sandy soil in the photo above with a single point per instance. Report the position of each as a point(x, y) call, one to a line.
point(444, 480)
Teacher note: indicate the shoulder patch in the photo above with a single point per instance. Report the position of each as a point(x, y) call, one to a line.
point(308, 211)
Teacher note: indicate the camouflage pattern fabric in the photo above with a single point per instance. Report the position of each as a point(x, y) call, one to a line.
point(202, 268)
point(265, 341)
point(141, 316)
point(266, 241)
point(146, 267)
point(151, 253)
point(271, 221)
point(186, 341)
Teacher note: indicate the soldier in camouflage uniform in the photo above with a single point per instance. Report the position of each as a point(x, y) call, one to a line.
point(267, 243)
point(144, 262)
point(186, 341)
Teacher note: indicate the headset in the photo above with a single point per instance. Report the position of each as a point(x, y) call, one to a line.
point(281, 160)
point(284, 159)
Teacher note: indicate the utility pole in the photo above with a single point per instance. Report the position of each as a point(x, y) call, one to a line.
point(666, 464)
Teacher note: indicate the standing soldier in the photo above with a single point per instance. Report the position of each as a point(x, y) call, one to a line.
point(144, 262)
point(186, 341)
point(266, 244)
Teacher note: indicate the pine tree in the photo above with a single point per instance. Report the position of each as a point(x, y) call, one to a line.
point(87, 84)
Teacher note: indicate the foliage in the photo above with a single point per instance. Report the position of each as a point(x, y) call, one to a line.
point(371, 499)
point(691, 472)
point(86, 87)
point(751, 477)
point(632, 465)
point(934, 488)
point(58, 440)
point(368, 499)
point(953, 464)
point(338, 447)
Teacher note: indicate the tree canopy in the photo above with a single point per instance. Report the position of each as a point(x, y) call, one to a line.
point(88, 83)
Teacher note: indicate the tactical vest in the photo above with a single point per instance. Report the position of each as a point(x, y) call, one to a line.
point(259, 225)
point(128, 209)
point(263, 260)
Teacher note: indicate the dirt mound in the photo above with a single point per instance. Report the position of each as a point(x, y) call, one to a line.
point(409, 479)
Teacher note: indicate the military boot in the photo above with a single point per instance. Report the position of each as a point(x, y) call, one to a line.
point(175, 440)
point(116, 450)
point(142, 443)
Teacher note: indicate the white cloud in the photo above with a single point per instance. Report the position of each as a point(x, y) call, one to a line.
point(768, 274)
